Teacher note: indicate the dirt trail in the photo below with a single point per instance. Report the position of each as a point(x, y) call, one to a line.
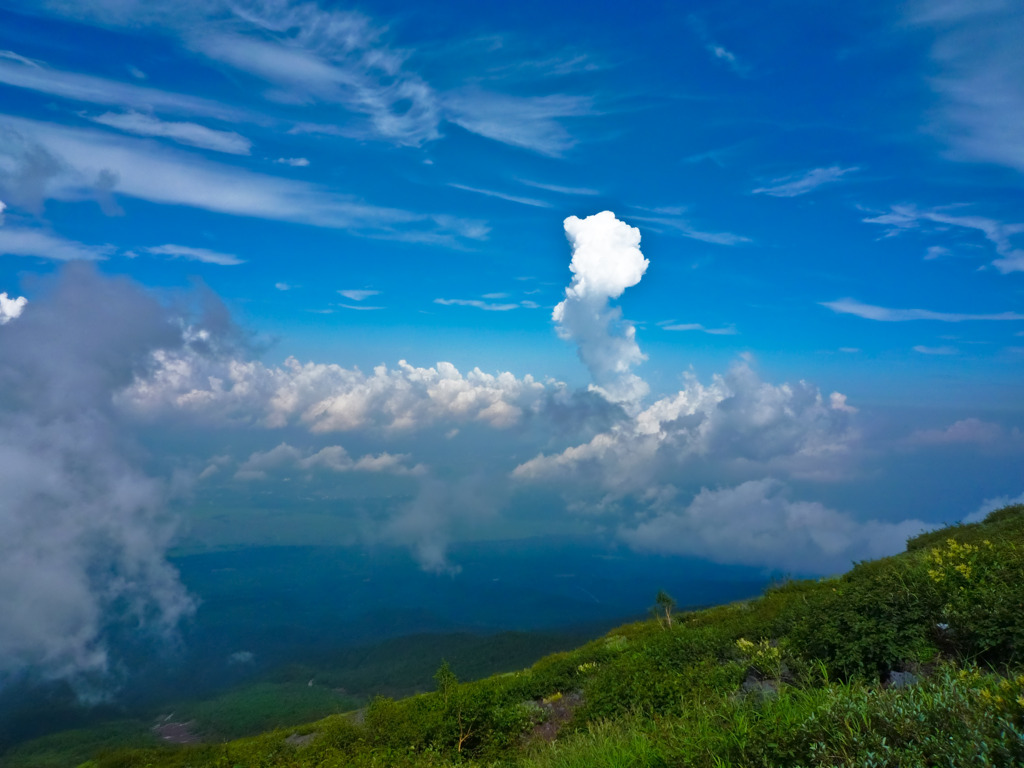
point(176, 733)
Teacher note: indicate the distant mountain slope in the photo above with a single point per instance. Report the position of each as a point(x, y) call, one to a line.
point(912, 660)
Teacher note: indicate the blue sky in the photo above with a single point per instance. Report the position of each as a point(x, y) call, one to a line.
point(817, 350)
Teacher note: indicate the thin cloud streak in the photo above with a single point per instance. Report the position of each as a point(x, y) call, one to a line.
point(908, 217)
point(196, 254)
point(22, 241)
point(503, 196)
point(489, 307)
point(165, 176)
point(192, 134)
point(528, 122)
point(683, 227)
point(887, 315)
point(801, 184)
point(726, 331)
point(560, 190)
point(97, 90)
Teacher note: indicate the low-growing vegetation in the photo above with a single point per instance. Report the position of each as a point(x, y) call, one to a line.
point(913, 660)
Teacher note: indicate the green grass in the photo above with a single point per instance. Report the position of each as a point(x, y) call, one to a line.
point(70, 748)
point(262, 707)
point(406, 665)
point(795, 677)
point(343, 681)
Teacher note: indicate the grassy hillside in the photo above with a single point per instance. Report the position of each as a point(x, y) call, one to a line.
point(326, 683)
point(912, 660)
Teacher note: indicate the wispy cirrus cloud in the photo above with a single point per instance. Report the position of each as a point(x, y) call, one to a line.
point(560, 189)
point(82, 159)
point(802, 183)
point(478, 304)
point(976, 74)
point(907, 217)
point(358, 294)
point(674, 221)
point(503, 196)
point(329, 57)
point(27, 241)
point(724, 331)
point(76, 86)
point(204, 255)
point(943, 351)
point(887, 315)
point(530, 122)
point(192, 134)
point(308, 56)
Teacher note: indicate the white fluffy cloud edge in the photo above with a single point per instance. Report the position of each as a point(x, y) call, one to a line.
point(708, 471)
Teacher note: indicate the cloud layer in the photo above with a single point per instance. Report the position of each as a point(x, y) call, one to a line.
point(83, 532)
point(755, 523)
point(325, 397)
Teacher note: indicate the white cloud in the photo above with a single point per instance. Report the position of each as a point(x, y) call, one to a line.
point(330, 57)
point(192, 134)
point(485, 305)
point(560, 189)
point(22, 241)
point(965, 431)
point(725, 331)
point(358, 294)
point(945, 350)
point(425, 524)
point(11, 308)
point(801, 184)
point(332, 458)
point(906, 217)
point(529, 122)
point(294, 162)
point(991, 505)
point(671, 218)
point(886, 315)
point(976, 73)
point(328, 398)
point(305, 54)
point(716, 50)
point(97, 90)
point(837, 402)
point(503, 196)
point(83, 530)
point(162, 175)
point(606, 260)
point(755, 523)
point(730, 58)
point(283, 286)
point(936, 252)
point(737, 423)
point(196, 254)
point(20, 59)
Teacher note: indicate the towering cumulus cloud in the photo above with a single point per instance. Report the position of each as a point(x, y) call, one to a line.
point(606, 260)
point(82, 532)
